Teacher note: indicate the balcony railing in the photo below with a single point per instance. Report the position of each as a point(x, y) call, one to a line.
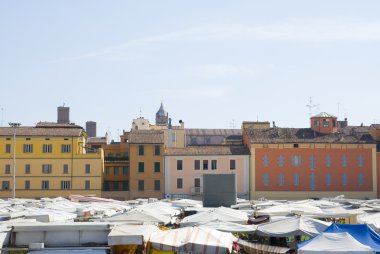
point(196, 190)
point(116, 159)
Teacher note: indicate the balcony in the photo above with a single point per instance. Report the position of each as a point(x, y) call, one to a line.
point(115, 159)
point(196, 190)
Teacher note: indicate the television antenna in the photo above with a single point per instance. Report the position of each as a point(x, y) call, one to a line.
point(2, 117)
point(232, 124)
point(311, 106)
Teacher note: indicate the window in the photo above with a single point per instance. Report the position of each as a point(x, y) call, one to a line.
point(125, 170)
point(47, 168)
point(27, 168)
point(328, 179)
point(312, 182)
point(27, 185)
point(47, 148)
point(266, 161)
point(141, 167)
point(316, 123)
point(197, 182)
point(65, 168)
point(125, 185)
point(325, 123)
point(66, 148)
point(106, 186)
point(295, 145)
point(344, 179)
point(360, 160)
point(45, 185)
point(7, 169)
point(179, 164)
point(312, 162)
point(174, 137)
point(296, 160)
point(116, 171)
point(7, 148)
point(157, 167)
point(194, 140)
point(141, 150)
point(281, 179)
point(27, 148)
point(213, 164)
point(157, 186)
point(360, 179)
point(141, 185)
point(88, 168)
point(343, 160)
point(328, 161)
point(157, 150)
point(65, 185)
point(296, 179)
point(179, 183)
point(281, 160)
point(205, 164)
point(266, 179)
point(115, 186)
point(232, 164)
point(87, 184)
point(107, 171)
point(5, 185)
point(197, 164)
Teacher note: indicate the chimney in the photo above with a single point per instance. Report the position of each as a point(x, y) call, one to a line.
point(170, 123)
point(274, 124)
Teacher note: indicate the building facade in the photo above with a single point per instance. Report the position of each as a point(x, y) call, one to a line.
point(51, 161)
point(315, 162)
point(185, 167)
point(146, 149)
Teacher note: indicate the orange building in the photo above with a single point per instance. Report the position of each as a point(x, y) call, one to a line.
point(146, 164)
point(320, 161)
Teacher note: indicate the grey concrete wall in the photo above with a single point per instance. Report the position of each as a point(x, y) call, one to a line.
point(219, 190)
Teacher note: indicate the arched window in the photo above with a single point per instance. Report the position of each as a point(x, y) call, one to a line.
point(343, 160)
point(328, 160)
point(328, 179)
point(266, 179)
point(312, 182)
point(360, 179)
point(266, 160)
point(344, 179)
point(281, 160)
point(360, 160)
point(281, 179)
point(296, 179)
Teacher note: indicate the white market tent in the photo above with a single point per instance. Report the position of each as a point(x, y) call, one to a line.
point(220, 213)
point(292, 226)
point(131, 234)
point(334, 243)
point(231, 227)
point(140, 216)
point(194, 240)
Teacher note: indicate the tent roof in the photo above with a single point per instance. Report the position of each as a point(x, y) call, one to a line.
point(231, 227)
point(131, 234)
point(334, 243)
point(289, 226)
point(361, 232)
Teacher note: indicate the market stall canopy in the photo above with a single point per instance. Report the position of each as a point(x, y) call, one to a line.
point(334, 243)
point(252, 248)
point(361, 232)
point(131, 234)
point(141, 217)
point(292, 226)
point(231, 227)
point(220, 213)
point(194, 240)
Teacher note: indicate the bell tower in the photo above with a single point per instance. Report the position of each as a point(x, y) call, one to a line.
point(162, 117)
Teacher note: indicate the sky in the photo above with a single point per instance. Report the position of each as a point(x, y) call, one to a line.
point(213, 64)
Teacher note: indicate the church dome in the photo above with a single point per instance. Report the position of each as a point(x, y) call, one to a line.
point(161, 111)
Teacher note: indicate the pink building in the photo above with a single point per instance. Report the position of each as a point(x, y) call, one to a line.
point(185, 167)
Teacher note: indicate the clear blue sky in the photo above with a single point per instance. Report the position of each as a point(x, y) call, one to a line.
point(211, 62)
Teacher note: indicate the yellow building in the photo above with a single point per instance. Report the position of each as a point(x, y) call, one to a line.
point(51, 161)
point(146, 148)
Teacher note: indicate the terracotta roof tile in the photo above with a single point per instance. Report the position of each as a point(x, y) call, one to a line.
point(146, 137)
point(207, 150)
point(33, 131)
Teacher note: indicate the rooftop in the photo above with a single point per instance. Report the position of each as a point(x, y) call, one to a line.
point(146, 137)
point(42, 131)
point(207, 150)
point(348, 135)
point(324, 115)
point(213, 132)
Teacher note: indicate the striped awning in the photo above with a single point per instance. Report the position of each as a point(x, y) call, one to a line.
point(256, 248)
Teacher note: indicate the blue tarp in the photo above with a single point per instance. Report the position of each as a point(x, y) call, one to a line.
point(361, 232)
